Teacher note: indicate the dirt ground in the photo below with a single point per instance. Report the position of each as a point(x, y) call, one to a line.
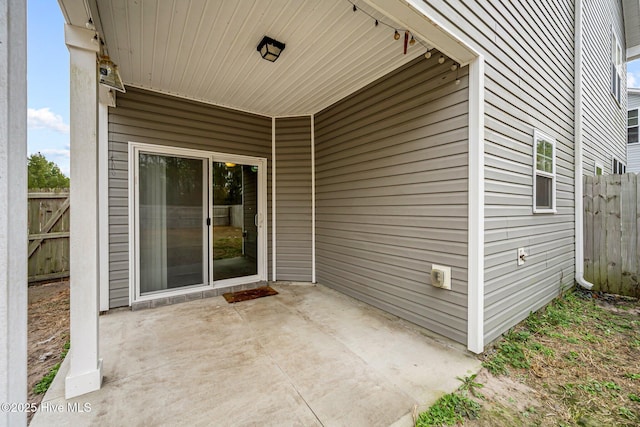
point(48, 331)
point(583, 358)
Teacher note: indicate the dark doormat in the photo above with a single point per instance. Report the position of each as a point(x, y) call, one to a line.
point(265, 291)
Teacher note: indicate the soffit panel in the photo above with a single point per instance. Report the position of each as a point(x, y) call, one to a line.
point(631, 11)
point(206, 50)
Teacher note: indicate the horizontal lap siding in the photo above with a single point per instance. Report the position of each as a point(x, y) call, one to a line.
point(604, 125)
point(528, 51)
point(391, 194)
point(633, 150)
point(633, 158)
point(293, 199)
point(143, 116)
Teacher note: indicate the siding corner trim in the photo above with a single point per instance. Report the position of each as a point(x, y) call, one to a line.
point(475, 294)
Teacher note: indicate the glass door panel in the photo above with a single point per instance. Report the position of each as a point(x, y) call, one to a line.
point(172, 235)
point(235, 230)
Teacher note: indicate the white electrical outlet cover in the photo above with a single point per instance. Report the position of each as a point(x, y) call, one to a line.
point(446, 272)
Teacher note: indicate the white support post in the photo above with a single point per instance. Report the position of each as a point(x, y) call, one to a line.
point(273, 198)
point(106, 100)
point(85, 369)
point(313, 199)
point(13, 205)
point(475, 293)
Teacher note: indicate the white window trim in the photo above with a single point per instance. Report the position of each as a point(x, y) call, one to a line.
point(615, 47)
point(536, 136)
point(614, 170)
point(637, 110)
point(597, 164)
point(134, 244)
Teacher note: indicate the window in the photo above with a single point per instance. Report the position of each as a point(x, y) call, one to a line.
point(618, 167)
point(632, 126)
point(598, 168)
point(616, 68)
point(544, 180)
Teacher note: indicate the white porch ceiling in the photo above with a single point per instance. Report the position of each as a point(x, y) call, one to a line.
point(206, 50)
point(631, 11)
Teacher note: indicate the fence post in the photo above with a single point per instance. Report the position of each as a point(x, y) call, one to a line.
point(587, 228)
point(614, 235)
point(629, 229)
point(599, 232)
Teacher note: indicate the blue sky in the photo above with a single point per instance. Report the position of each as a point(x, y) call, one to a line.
point(48, 82)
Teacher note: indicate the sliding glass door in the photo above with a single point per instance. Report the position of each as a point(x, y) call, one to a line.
point(235, 220)
point(172, 234)
point(196, 220)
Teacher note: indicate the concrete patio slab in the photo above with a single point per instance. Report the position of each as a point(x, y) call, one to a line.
point(308, 356)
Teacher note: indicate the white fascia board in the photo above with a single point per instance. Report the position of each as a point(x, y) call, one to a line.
point(74, 11)
point(417, 17)
point(633, 53)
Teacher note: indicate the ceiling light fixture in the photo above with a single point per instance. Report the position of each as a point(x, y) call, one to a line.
point(270, 49)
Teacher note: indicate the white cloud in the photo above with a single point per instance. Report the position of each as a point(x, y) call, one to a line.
point(55, 152)
point(44, 118)
point(632, 80)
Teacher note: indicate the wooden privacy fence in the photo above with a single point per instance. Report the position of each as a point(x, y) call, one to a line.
point(611, 225)
point(48, 222)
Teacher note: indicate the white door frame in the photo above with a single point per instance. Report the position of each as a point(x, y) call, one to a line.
point(261, 163)
point(135, 148)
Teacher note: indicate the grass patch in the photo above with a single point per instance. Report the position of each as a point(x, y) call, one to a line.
point(449, 410)
point(454, 408)
point(581, 353)
point(227, 242)
point(43, 385)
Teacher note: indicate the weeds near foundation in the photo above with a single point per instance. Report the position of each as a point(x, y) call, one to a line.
point(449, 410)
point(580, 353)
point(469, 384)
point(455, 407)
point(43, 385)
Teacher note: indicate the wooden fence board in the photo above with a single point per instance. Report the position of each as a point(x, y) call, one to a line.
point(588, 225)
point(611, 233)
point(637, 272)
point(629, 249)
point(599, 234)
point(51, 222)
point(48, 225)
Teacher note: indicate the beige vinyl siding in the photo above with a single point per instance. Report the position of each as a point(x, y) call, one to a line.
point(148, 117)
point(605, 122)
point(293, 199)
point(391, 194)
point(528, 51)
